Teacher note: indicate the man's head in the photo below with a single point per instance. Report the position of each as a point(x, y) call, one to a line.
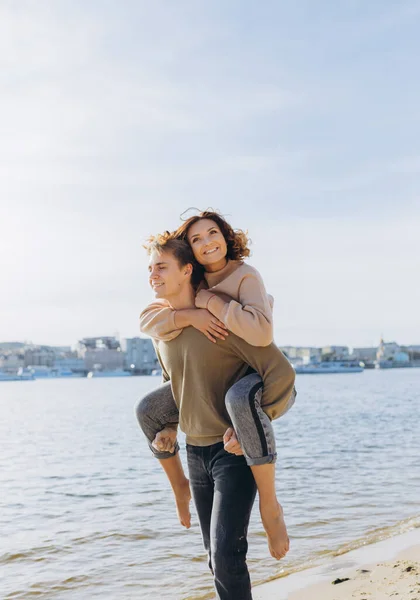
point(173, 269)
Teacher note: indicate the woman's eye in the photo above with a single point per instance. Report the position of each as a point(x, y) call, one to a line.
point(214, 231)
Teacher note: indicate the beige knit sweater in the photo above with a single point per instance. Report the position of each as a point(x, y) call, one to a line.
point(247, 312)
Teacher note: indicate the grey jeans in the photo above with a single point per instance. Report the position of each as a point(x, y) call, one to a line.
point(253, 427)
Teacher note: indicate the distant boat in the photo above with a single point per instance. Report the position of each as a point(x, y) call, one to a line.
point(329, 367)
point(41, 372)
point(394, 364)
point(21, 375)
point(116, 373)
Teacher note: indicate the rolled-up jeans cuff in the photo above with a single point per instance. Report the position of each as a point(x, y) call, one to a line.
point(163, 455)
point(262, 460)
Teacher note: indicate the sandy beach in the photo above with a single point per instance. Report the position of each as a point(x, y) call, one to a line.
point(388, 569)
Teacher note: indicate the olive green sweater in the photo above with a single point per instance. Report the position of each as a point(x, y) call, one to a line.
point(201, 373)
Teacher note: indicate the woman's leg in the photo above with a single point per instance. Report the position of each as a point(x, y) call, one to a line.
point(253, 427)
point(256, 435)
point(154, 412)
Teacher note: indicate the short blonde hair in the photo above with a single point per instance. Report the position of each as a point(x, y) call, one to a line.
point(181, 250)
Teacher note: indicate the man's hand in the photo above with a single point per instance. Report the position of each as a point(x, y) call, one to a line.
point(165, 440)
point(231, 442)
point(208, 324)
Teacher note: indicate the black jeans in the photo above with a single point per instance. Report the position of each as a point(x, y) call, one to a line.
point(223, 489)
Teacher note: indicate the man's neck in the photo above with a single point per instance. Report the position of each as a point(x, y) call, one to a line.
point(185, 299)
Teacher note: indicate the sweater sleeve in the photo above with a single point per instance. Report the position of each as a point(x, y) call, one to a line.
point(252, 317)
point(158, 321)
point(165, 376)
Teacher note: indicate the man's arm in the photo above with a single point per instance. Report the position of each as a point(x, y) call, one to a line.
point(162, 322)
point(158, 321)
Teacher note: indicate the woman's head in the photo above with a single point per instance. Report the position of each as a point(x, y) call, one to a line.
point(213, 240)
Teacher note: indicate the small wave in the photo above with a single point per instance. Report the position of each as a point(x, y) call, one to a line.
point(44, 587)
point(99, 536)
point(379, 534)
point(10, 557)
point(37, 554)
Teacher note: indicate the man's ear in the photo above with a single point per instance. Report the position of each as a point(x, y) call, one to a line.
point(188, 269)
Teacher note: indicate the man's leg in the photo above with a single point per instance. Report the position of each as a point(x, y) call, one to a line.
point(234, 495)
point(154, 412)
point(256, 435)
point(202, 489)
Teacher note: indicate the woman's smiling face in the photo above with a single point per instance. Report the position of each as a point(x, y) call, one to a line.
point(208, 244)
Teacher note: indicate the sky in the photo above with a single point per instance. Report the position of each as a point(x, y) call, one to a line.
point(298, 120)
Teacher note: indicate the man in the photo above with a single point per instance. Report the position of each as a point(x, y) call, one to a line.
point(200, 374)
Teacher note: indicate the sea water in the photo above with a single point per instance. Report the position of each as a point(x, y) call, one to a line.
point(85, 511)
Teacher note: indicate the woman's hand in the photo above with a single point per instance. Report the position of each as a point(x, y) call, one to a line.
point(165, 440)
point(205, 322)
point(231, 442)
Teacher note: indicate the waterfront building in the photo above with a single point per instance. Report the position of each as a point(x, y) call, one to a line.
point(39, 356)
point(11, 362)
point(367, 355)
point(391, 355)
point(101, 353)
point(301, 355)
point(140, 356)
point(335, 353)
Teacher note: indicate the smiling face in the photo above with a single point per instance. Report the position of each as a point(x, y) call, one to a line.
point(166, 277)
point(208, 244)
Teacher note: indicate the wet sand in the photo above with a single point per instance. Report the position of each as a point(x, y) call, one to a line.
point(389, 569)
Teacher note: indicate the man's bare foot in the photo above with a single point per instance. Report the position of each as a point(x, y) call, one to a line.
point(165, 440)
point(182, 500)
point(275, 528)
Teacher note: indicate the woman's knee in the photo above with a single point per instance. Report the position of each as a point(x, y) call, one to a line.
point(144, 408)
point(240, 393)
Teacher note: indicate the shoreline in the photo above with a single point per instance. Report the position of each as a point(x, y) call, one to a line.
point(375, 571)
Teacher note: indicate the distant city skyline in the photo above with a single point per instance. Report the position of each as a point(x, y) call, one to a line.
point(299, 121)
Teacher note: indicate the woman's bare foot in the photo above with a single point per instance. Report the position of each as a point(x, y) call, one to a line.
point(182, 500)
point(275, 528)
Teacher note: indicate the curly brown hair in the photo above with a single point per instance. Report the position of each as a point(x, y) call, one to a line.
point(181, 250)
point(236, 239)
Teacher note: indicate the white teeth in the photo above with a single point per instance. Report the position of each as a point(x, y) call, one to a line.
point(211, 251)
